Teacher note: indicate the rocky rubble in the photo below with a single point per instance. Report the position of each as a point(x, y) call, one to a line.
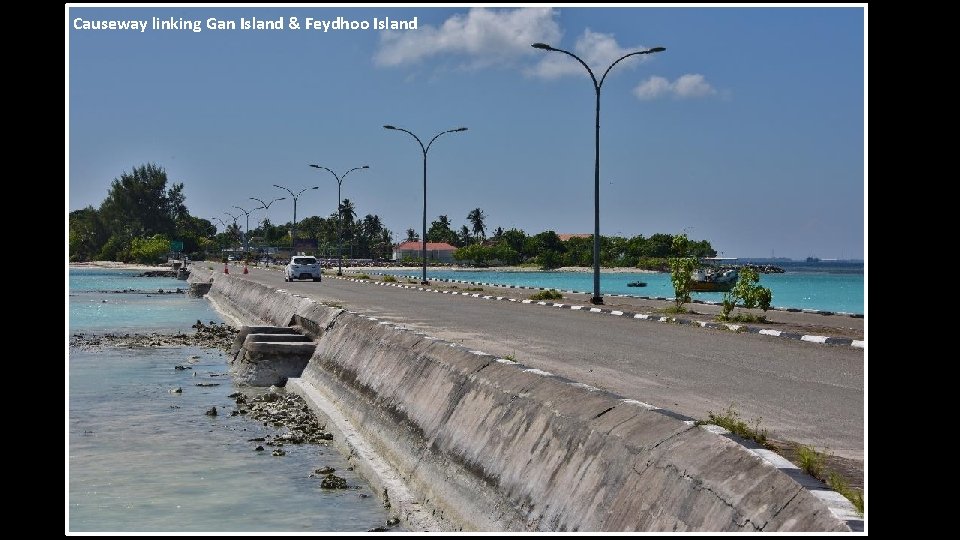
point(214, 335)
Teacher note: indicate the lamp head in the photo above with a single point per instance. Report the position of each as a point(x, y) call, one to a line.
point(389, 127)
point(315, 187)
point(365, 167)
point(543, 46)
point(460, 129)
point(657, 49)
point(314, 165)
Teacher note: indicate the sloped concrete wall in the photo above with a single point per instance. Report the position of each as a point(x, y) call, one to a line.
point(488, 444)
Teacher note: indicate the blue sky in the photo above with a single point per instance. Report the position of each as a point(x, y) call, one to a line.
point(747, 131)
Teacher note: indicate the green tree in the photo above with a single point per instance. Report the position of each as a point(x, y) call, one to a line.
point(464, 238)
point(440, 231)
point(476, 218)
point(578, 251)
point(476, 253)
point(116, 248)
point(412, 236)
point(702, 249)
point(87, 234)
point(516, 240)
point(149, 250)
point(659, 245)
point(383, 246)
point(747, 293)
point(547, 249)
point(139, 204)
point(681, 270)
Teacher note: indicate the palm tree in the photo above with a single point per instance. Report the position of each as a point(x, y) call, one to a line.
point(347, 211)
point(464, 236)
point(476, 217)
point(412, 236)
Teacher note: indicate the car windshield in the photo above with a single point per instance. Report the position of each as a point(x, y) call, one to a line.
point(304, 260)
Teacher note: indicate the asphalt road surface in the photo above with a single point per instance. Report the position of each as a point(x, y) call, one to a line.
point(804, 392)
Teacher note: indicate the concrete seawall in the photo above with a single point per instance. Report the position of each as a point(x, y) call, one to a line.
point(488, 444)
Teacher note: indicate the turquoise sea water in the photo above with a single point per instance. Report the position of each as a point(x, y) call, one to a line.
point(830, 287)
point(144, 459)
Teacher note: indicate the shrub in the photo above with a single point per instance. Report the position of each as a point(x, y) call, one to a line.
point(547, 295)
point(747, 293)
point(389, 279)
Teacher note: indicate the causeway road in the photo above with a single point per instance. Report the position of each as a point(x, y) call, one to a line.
point(803, 392)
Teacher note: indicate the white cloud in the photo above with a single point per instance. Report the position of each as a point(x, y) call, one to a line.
point(691, 85)
point(653, 88)
point(596, 49)
point(485, 36)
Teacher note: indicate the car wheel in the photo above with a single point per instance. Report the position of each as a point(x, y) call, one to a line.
point(316, 279)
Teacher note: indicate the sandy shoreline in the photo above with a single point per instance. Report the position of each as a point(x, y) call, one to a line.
point(118, 266)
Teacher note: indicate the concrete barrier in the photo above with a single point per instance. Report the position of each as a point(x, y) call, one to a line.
point(488, 444)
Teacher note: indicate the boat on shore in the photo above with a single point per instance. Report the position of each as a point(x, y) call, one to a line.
point(637, 284)
point(713, 280)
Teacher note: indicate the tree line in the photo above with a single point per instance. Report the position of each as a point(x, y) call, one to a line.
point(547, 250)
point(141, 215)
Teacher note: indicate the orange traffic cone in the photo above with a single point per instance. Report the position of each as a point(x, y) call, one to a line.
point(245, 271)
point(225, 269)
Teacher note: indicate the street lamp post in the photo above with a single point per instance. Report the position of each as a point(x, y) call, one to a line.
point(234, 218)
point(340, 180)
point(265, 206)
point(423, 239)
point(246, 235)
point(293, 232)
point(597, 299)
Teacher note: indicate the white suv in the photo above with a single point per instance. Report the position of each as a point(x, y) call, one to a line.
point(301, 267)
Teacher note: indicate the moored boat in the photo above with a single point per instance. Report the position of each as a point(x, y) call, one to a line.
point(711, 280)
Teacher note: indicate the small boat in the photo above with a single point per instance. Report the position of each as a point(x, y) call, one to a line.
point(637, 284)
point(712, 280)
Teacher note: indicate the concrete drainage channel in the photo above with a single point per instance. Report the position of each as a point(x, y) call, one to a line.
point(483, 443)
point(269, 355)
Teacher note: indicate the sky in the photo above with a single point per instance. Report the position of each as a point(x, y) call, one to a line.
point(748, 130)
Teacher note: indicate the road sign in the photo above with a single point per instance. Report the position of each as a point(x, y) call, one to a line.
point(176, 246)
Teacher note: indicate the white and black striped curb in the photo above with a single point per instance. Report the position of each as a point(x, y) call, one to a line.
point(839, 506)
point(825, 340)
point(694, 301)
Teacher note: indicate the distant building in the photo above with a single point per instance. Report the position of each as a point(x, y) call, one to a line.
point(565, 237)
point(436, 251)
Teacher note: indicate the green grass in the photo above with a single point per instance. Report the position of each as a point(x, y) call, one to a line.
point(474, 289)
point(743, 318)
point(412, 281)
point(672, 309)
point(809, 459)
point(838, 484)
point(813, 463)
point(730, 420)
point(389, 279)
point(547, 295)
point(362, 276)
